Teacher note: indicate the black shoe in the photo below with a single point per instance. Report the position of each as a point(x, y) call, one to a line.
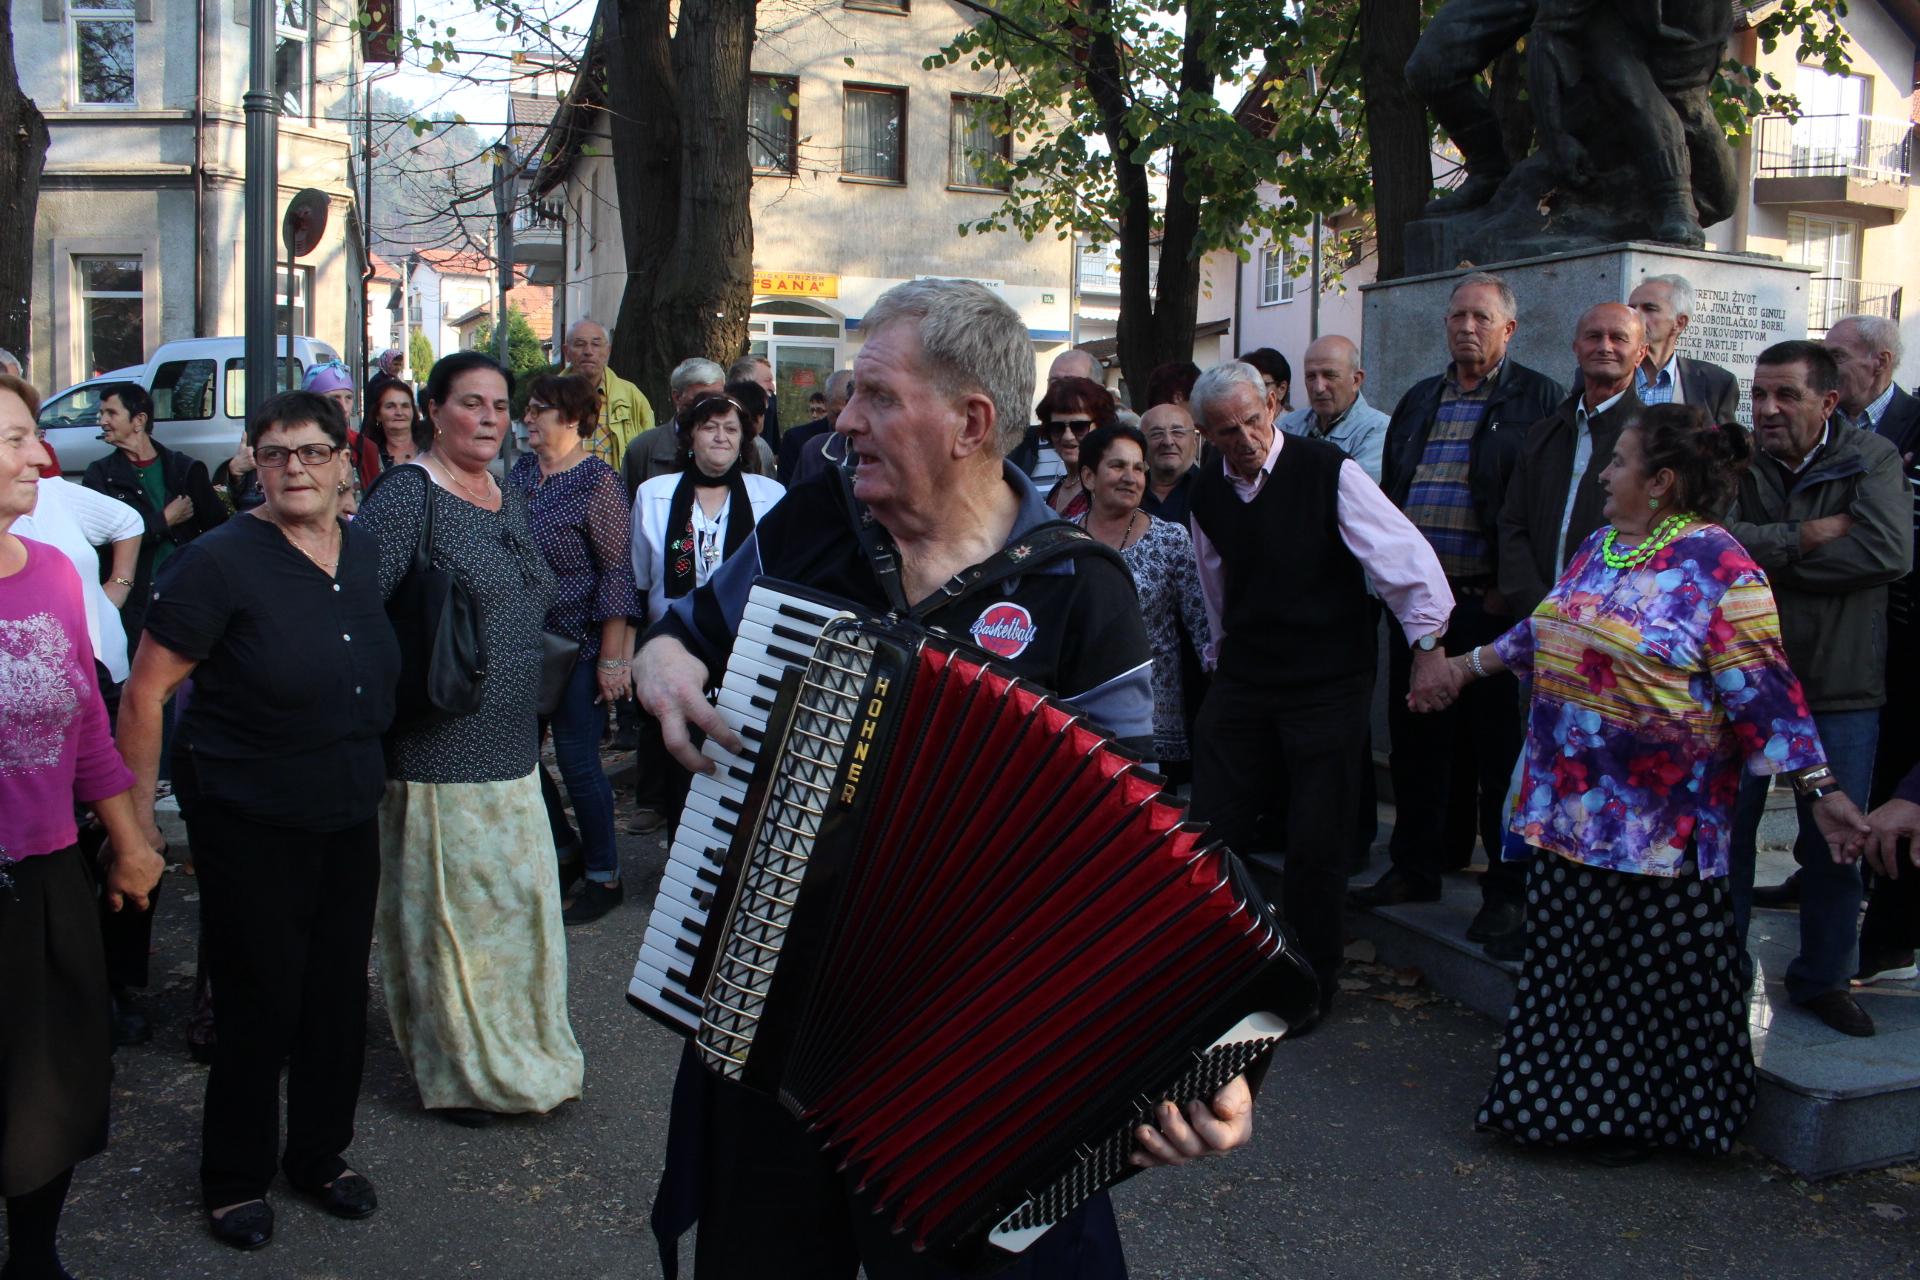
point(465, 1117)
point(594, 900)
point(646, 822)
point(1508, 948)
point(1392, 889)
point(246, 1226)
point(1885, 966)
point(130, 1024)
point(1784, 894)
point(1496, 920)
point(1841, 1012)
point(348, 1196)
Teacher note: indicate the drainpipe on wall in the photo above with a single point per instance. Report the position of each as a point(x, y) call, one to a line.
point(1238, 338)
point(201, 325)
point(1313, 295)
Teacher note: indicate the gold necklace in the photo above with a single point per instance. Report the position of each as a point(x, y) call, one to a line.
point(325, 566)
point(479, 499)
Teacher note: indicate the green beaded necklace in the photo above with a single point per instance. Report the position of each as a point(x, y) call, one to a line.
point(1663, 533)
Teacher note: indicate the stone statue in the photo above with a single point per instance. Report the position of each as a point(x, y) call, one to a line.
point(1627, 144)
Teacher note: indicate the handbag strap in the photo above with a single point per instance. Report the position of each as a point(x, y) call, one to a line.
point(423, 545)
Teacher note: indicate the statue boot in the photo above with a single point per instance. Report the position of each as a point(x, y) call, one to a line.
point(1672, 214)
point(1485, 157)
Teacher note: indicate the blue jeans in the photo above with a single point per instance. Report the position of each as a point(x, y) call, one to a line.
point(1829, 892)
point(577, 724)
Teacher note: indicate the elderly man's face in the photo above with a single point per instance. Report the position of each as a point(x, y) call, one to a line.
point(1864, 372)
point(1608, 346)
point(901, 429)
point(1333, 381)
point(1240, 425)
point(1073, 363)
point(1788, 414)
point(1654, 302)
point(1172, 441)
point(587, 350)
point(1478, 327)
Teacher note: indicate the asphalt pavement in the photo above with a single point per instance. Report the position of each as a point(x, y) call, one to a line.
point(1364, 1164)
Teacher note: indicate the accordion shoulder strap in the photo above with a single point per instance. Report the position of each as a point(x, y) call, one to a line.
point(1043, 545)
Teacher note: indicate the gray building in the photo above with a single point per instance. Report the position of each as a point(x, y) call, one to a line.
point(138, 238)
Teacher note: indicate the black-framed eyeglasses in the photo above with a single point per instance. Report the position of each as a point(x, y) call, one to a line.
point(537, 406)
point(1079, 426)
point(275, 456)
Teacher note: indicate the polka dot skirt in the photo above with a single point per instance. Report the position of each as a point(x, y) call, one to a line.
point(1630, 1020)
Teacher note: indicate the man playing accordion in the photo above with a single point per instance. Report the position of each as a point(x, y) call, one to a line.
point(928, 521)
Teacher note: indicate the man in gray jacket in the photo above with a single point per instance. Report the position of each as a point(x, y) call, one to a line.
point(1825, 510)
point(1337, 411)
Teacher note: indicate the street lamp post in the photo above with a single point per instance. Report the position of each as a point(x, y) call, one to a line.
point(262, 191)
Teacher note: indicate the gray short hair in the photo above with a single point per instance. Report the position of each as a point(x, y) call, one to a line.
point(1879, 333)
point(1680, 287)
point(745, 365)
point(839, 386)
point(695, 371)
point(1493, 282)
point(970, 341)
point(582, 323)
point(1220, 380)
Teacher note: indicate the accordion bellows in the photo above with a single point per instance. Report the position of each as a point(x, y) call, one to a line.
point(969, 943)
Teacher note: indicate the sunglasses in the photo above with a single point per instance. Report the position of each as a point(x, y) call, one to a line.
point(1079, 426)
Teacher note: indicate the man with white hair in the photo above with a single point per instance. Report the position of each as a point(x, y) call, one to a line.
point(1287, 531)
point(1665, 304)
point(1337, 410)
point(942, 387)
point(624, 411)
point(1074, 363)
point(1867, 349)
point(657, 452)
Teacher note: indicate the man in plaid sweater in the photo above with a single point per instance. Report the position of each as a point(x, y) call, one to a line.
point(1450, 449)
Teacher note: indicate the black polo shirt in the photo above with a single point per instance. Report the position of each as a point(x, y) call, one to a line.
point(296, 673)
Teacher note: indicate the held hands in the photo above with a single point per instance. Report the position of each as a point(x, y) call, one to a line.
point(132, 872)
point(1845, 828)
point(179, 511)
point(1891, 823)
point(1209, 1128)
point(671, 684)
point(1436, 681)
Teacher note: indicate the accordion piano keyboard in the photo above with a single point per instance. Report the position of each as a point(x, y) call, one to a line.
point(830, 692)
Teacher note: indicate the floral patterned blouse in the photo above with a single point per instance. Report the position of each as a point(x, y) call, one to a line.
point(1168, 580)
point(1652, 686)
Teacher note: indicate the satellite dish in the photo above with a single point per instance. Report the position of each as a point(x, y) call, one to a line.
point(306, 221)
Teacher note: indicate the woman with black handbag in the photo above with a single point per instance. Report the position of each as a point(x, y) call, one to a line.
point(578, 511)
point(474, 951)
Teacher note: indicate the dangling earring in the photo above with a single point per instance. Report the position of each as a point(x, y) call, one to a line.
point(1653, 504)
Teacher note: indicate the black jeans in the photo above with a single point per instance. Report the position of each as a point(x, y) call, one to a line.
point(1314, 733)
point(1481, 734)
point(286, 917)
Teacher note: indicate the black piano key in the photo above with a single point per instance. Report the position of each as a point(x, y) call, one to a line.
point(706, 873)
point(749, 755)
point(674, 997)
point(686, 946)
point(694, 925)
point(752, 734)
point(731, 805)
point(766, 681)
point(723, 826)
point(738, 774)
point(793, 633)
point(760, 704)
point(684, 979)
point(791, 656)
point(819, 620)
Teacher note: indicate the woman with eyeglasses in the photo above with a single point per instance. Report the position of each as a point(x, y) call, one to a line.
point(278, 617)
point(686, 525)
point(577, 509)
point(1071, 409)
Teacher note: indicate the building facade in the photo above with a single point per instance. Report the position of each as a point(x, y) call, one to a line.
point(866, 164)
point(138, 237)
point(444, 285)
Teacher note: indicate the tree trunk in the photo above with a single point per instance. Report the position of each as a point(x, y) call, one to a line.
point(1397, 133)
point(23, 153)
point(684, 183)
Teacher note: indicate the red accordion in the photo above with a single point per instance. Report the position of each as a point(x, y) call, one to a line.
point(961, 936)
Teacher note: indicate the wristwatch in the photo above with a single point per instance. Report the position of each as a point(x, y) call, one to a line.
point(1428, 643)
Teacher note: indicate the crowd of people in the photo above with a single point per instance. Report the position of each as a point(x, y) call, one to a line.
point(1612, 615)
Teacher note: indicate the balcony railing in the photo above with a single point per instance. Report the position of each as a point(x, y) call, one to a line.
point(1866, 148)
point(1831, 298)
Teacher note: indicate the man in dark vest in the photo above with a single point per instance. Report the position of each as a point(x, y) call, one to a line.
point(1450, 451)
point(1287, 532)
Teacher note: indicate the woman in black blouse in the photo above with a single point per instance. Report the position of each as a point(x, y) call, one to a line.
point(278, 617)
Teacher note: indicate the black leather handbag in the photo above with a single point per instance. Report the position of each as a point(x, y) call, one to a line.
point(558, 657)
point(443, 647)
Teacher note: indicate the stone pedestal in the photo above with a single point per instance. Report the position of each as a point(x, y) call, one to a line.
point(1743, 305)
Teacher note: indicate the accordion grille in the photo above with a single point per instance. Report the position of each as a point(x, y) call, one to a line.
point(788, 827)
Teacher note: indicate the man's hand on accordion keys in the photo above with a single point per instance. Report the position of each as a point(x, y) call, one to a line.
point(672, 685)
point(1211, 1128)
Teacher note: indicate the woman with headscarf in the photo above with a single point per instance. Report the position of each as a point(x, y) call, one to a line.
point(335, 381)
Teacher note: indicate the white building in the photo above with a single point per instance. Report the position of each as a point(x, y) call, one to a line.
point(138, 238)
point(443, 285)
point(866, 165)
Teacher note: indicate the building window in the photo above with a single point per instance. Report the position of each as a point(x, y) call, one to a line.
point(773, 124)
point(1276, 281)
point(112, 312)
point(103, 52)
point(1831, 246)
point(301, 282)
point(883, 6)
point(978, 143)
point(292, 52)
point(875, 143)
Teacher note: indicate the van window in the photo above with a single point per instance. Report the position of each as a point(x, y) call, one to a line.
point(291, 372)
point(183, 391)
point(77, 407)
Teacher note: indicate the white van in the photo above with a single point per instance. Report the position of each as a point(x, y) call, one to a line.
point(199, 390)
